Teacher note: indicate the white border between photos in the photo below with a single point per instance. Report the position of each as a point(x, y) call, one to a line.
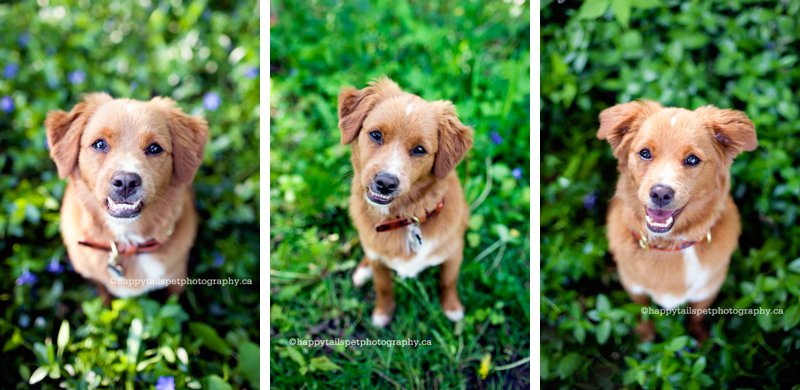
point(535, 208)
point(263, 242)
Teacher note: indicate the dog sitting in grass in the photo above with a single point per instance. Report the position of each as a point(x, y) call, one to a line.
point(405, 200)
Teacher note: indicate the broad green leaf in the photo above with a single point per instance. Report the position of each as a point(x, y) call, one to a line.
point(210, 338)
point(593, 9)
point(622, 11)
point(569, 364)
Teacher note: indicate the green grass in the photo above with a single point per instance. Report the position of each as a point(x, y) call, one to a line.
point(473, 53)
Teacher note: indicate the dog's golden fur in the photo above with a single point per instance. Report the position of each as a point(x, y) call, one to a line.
point(701, 202)
point(167, 214)
point(406, 121)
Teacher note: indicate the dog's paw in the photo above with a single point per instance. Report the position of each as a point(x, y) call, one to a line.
point(454, 315)
point(362, 275)
point(380, 320)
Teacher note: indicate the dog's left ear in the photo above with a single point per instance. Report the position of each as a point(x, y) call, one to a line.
point(189, 137)
point(732, 130)
point(455, 139)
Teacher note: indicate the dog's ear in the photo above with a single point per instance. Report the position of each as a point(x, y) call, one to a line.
point(455, 139)
point(622, 120)
point(189, 136)
point(354, 105)
point(64, 130)
point(733, 130)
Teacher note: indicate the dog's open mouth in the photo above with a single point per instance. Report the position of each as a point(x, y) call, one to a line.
point(661, 221)
point(378, 198)
point(122, 209)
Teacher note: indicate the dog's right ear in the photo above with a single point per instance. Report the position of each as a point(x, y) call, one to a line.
point(622, 120)
point(354, 105)
point(64, 130)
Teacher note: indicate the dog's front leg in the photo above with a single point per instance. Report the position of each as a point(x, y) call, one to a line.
point(448, 294)
point(384, 294)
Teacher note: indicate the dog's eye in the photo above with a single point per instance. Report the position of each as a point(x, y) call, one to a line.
point(691, 161)
point(645, 154)
point(418, 151)
point(100, 145)
point(376, 136)
point(153, 149)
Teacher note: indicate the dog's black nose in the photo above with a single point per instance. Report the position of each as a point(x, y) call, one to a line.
point(661, 195)
point(125, 183)
point(386, 183)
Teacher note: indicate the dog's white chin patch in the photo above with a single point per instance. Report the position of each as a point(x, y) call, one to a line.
point(454, 315)
point(361, 276)
point(380, 320)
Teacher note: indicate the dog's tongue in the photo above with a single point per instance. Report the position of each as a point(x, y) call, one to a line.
point(659, 216)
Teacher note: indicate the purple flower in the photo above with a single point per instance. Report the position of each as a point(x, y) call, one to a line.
point(517, 173)
point(54, 266)
point(211, 101)
point(165, 383)
point(251, 72)
point(77, 77)
point(11, 70)
point(7, 104)
point(26, 278)
point(590, 200)
point(496, 138)
point(219, 260)
point(134, 85)
point(24, 39)
point(24, 320)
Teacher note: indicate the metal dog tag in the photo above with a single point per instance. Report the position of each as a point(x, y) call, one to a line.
point(114, 268)
point(413, 237)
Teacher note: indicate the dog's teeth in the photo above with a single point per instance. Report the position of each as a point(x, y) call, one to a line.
point(669, 221)
point(649, 220)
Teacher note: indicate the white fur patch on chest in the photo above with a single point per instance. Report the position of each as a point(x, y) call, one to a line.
point(123, 231)
point(696, 278)
point(150, 276)
point(409, 268)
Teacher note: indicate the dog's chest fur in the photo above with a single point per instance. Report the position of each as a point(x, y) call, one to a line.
point(408, 267)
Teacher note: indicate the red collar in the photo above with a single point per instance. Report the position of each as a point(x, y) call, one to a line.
point(645, 243)
point(398, 223)
point(128, 250)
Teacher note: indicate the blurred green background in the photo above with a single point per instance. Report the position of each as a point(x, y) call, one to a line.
point(53, 328)
point(475, 53)
point(733, 54)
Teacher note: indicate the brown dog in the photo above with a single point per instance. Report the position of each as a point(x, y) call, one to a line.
point(405, 200)
point(672, 224)
point(127, 217)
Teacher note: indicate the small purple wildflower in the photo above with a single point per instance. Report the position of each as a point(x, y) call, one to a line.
point(26, 278)
point(24, 39)
point(589, 201)
point(134, 85)
point(219, 260)
point(517, 173)
point(165, 383)
point(24, 320)
point(55, 266)
point(77, 77)
point(7, 104)
point(496, 138)
point(10, 71)
point(251, 72)
point(216, 310)
point(211, 101)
